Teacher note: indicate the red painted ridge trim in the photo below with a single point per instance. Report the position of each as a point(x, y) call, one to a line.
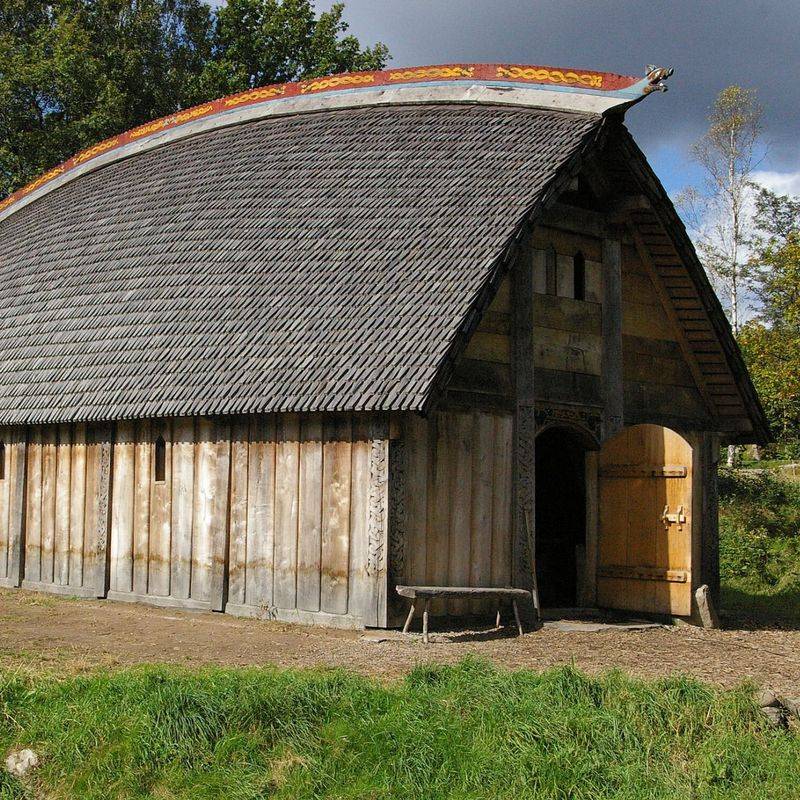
point(511, 73)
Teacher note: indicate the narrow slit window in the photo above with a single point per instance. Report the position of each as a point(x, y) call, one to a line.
point(579, 276)
point(160, 460)
point(2, 461)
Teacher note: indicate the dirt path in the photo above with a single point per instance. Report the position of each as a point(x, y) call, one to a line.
point(40, 630)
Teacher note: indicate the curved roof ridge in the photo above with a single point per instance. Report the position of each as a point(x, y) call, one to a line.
point(511, 84)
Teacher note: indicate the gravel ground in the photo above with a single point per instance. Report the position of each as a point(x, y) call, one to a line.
point(75, 635)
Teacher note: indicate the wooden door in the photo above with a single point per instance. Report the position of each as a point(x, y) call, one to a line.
point(645, 522)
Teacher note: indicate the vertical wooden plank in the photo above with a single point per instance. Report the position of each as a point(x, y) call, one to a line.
point(481, 524)
point(62, 508)
point(706, 561)
point(337, 455)
point(49, 455)
point(309, 543)
point(205, 479)
point(17, 507)
point(122, 508)
point(502, 500)
point(182, 506)
point(97, 522)
point(260, 521)
point(287, 483)
point(524, 421)
point(159, 551)
point(220, 531)
point(459, 540)
point(416, 435)
point(359, 591)
point(440, 436)
point(141, 507)
point(592, 500)
point(77, 509)
point(33, 508)
point(611, 361)
point(237, 571)
point(5, 492)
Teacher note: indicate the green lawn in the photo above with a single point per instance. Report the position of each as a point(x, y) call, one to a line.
point(470, 731)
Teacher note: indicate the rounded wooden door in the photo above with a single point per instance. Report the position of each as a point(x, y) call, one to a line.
point(645, 522)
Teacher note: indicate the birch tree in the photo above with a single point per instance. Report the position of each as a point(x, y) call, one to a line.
point(718, 210)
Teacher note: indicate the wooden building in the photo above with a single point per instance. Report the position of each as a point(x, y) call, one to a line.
point(278, 353)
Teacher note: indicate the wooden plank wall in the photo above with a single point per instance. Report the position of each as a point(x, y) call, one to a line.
point(458, 502)
point(12, 486)
point(168, 536)
point(302, 536)
point(66, 509)
point(659, 386)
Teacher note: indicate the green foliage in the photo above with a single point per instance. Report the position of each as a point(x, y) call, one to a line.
point(74, 72)
point(467, 731)
point(771, 344)
point(759, 542)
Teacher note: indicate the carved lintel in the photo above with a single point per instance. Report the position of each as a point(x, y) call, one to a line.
point(589, 419)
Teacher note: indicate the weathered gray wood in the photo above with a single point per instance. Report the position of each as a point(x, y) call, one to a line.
point(483, 468)
point(98, 506)
point(463, 592)
point(460, 500)
point(286, 506)
point(122, 508)
point(158, 579)
point(239, 509)
point(359, 581)
point(309, 538)
point(183, 487)
point(705, 607)
point(612, 376)
point(48, 512)
point(502, 500)
point(204, 504)
point(261, 512)
point(16, 516)
point(524, 421)
point(62, 507)
point(77, 508)
point(141, 506)
point(375, 613)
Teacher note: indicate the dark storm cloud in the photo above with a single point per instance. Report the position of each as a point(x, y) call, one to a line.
point(710, 44)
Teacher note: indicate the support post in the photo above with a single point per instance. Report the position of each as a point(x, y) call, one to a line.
point(613, 405)
point(524, 424)
point(17, 456)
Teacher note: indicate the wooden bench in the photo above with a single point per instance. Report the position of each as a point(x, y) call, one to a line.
point(428, 593)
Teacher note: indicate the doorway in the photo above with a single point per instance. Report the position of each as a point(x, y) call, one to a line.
point(560, 516)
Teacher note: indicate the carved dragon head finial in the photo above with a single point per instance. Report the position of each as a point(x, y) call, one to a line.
point(656, 77)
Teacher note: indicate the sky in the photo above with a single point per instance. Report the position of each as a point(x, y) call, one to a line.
point(710, 43)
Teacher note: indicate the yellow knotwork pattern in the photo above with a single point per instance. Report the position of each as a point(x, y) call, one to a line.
point(48, 176)
point(336, 80)
point(6, 203)
point(175, 119)
point(256, 94)
point(550, 75)
point(432, 72)
point(96, 150)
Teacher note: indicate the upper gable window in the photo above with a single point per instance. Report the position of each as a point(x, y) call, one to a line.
point(579, 276)
point(160, 460)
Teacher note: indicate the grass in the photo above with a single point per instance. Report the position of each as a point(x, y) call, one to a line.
point(468, 731)
point(760, 545)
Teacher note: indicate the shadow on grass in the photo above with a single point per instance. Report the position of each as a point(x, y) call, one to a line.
point(751, 609)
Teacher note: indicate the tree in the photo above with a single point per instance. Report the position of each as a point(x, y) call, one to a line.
point(771, 343)
point(73, 72)
point(717, 210)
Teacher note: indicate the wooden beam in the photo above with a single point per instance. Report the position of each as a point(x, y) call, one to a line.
point(612, 377)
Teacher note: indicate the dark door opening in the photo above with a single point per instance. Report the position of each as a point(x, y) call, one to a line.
point(560, 517)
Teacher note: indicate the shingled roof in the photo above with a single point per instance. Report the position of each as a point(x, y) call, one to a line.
point(320, 261)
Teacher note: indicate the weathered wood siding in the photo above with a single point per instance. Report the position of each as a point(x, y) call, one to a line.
point(66, 508)
point(457, 502)
point(308, 519)
point(12, 502)
point(168, 538)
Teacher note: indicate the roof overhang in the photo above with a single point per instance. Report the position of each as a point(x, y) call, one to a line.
point(503, 84)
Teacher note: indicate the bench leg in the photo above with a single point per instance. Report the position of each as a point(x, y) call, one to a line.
point(516, 617)
point(425, 622)
point(409, 618)
point(497, 621)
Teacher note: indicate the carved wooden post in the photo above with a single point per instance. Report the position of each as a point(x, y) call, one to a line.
point(397, 528)
point(98, 508)
point(374, 612)
point(613, 414)
point(524, 422)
